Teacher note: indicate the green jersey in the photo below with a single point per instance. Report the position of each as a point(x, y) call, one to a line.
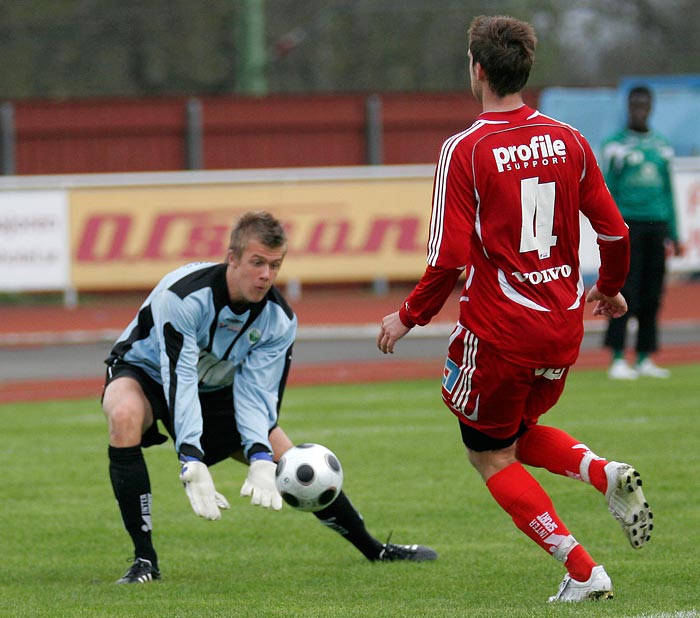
point(636, 168)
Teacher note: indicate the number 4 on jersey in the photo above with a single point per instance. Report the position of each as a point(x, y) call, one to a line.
point(537, 203)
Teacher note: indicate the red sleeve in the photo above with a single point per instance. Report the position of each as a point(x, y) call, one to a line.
point(614, 265)
point(453, 209)
point(428, 297)
point(613, 234)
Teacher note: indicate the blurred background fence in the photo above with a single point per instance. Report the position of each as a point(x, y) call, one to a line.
point(176, 133)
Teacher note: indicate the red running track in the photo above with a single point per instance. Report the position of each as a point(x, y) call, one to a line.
point(327, 306)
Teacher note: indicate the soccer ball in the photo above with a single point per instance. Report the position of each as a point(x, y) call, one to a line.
point(309, 477)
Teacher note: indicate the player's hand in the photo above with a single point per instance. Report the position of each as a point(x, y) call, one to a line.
point(199, 487)
point(608, 306)
point(675, 248)
point(260, 485)
point(391, 330)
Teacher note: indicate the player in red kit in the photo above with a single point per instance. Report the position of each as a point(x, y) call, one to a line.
point(506, 201)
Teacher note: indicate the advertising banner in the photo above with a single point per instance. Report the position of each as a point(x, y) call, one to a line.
point(34, 249)
point(355, 226)
point(686, 186)
point(339, 230)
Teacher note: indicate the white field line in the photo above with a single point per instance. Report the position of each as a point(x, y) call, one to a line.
point(682, 614)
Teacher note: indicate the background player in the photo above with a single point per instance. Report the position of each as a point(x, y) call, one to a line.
point(506, 201)
point(207, 356)
point(636, 164)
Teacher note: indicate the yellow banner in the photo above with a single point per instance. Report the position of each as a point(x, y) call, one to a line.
point(355, 230)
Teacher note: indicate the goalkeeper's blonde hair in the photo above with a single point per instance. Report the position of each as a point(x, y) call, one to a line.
point(260, 225)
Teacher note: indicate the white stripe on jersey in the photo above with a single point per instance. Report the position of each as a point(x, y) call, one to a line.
point(580, 289)
point(516, 296)
point(438, 213)
point(609, 238)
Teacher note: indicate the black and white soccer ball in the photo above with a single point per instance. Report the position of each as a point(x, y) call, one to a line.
point(309, 477)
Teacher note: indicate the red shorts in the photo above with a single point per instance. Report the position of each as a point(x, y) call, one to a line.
point(493, 396)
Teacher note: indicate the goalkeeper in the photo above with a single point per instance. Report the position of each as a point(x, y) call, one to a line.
point(209, 335)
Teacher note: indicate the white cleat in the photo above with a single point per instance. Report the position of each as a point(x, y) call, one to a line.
point(627, 504)
point(649, 369)
point(620, 370)
point(598, 586)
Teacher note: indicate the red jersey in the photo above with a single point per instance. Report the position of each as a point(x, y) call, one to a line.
point(506, 200)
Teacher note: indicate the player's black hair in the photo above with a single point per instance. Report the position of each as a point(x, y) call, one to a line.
point(640, 90)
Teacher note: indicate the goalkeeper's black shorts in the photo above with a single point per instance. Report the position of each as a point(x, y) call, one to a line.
point(220, 438)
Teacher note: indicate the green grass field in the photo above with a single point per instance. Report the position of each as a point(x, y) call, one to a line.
point(63, 544)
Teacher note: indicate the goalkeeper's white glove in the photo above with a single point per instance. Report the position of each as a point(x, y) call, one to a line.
point(199, 487)
point(260, 484)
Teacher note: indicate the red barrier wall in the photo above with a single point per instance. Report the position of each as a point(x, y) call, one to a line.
point(284, 132)
point(132, 135)
point(100, 136)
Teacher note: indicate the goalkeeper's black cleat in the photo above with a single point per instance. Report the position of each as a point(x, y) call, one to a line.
point(413, 553)
point(141, 572)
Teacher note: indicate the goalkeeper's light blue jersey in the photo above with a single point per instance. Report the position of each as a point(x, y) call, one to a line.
point(187, 338)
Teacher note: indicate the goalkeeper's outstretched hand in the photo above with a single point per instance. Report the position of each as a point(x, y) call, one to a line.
point(199, 487)
point(260, 485)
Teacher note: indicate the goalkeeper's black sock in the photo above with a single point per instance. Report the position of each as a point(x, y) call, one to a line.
point(132, 489)
point(344, 518)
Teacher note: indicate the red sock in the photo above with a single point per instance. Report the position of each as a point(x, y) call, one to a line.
point(579, 564)
point(532, 511)
point(555, 450)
